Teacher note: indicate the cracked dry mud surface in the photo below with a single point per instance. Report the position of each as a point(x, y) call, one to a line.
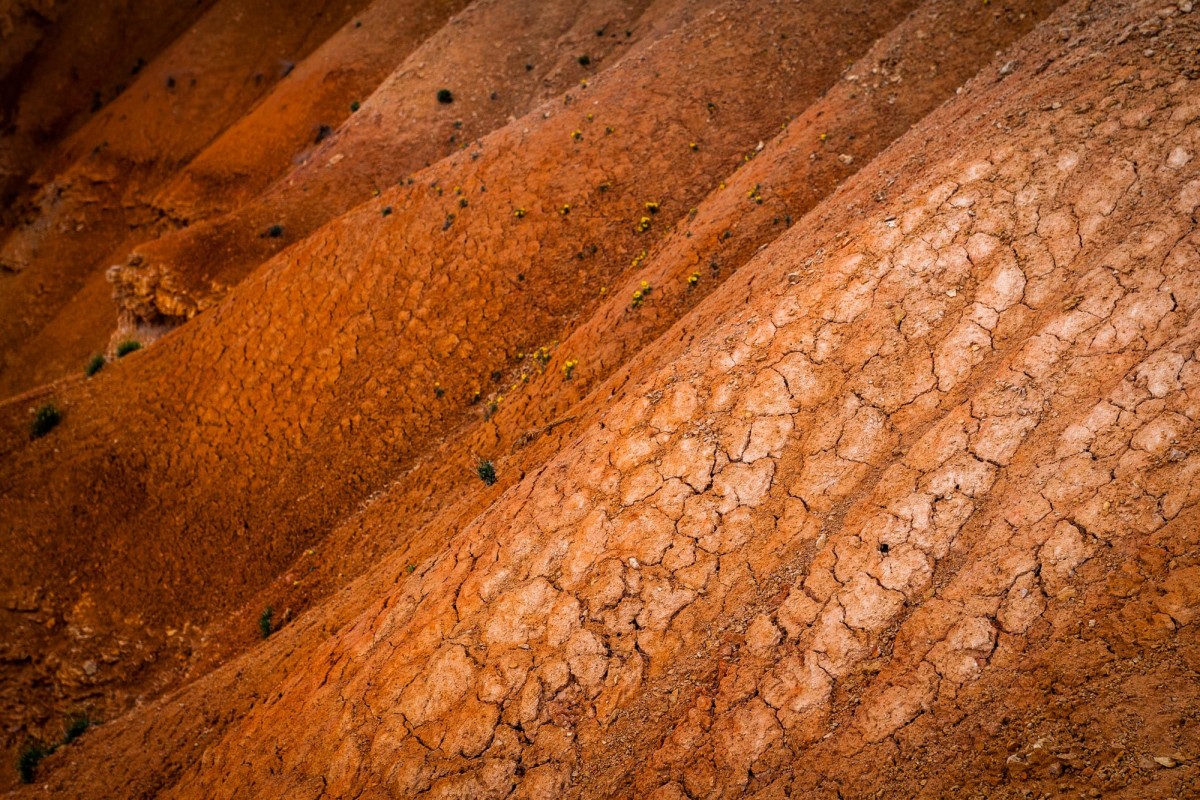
point(905, 506)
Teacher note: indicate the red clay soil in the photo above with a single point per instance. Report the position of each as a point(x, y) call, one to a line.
point(845, 440)
point(255, 460)
point(61, 62)
point(92, 194)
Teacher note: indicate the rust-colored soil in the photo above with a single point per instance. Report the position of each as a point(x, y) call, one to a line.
point(836, 363)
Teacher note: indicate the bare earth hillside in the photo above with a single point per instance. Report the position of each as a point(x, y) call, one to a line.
point(618, 399)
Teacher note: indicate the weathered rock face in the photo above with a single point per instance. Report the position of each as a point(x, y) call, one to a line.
point(904, 506)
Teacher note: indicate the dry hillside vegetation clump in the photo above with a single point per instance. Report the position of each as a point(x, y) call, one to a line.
point(688, 400)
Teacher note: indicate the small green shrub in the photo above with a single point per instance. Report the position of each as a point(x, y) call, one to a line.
point(265, 622)
point(355, 106)
point(31, 755)
point(45, 420)
point(127, 346)
point(445, 97)
point(274, 232)
point(95, 365)
point(77, 724)
point(584, 60)
point(486, 472)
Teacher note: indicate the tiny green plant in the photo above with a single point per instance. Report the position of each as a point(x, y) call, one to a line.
point(31, 755)
point(569, 368)
point(486, 472)
point(265, 622)
point(445, 96)
point(96, 364)
point(45, 419)
point(127, 346)
point(640, 294)
point(693, 279)
point(387, 211)
point(77, 724)
point(275, 231)
point(584, 60)
point(355, 106)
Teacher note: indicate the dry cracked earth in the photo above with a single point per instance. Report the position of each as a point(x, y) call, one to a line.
point(629, 399)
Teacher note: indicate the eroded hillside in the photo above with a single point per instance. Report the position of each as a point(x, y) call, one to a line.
point(836, 363)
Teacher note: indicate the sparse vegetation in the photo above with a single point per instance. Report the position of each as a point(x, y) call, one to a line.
point(94, 365)
point(693, 279)
point(643, 225)
point(585, 60)
point(77, 725)
point(445, 96)
point(31, 755)
point(45, 419)
point(569, 368)
point(127, 346)
point(266, 622)
point(34, 751)
point(640, 294)
point(274, 232)
point(387, 211)
point(519, 213)
point(486, 472)
point(355, 106)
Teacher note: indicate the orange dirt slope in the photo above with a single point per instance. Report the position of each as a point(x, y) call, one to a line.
point(839, 369)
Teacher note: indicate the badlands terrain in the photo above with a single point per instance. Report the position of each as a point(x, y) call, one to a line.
point(600, 399)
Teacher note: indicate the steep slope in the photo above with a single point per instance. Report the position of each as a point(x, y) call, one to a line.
point(60, 61)
point(356, 350)
point(907, 506)
point(400, 128)
point(924, 59)
point(93, 193)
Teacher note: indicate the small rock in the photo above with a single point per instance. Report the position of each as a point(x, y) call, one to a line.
point(1166, 761)
point(89, 668)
